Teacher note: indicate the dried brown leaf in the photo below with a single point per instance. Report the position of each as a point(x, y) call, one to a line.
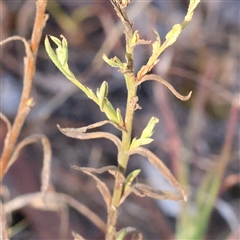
point(97, 170)
point(80, 133)
point(102, 187)
point(46, 170)
point(160, 166)
point(113, 170)
point(165, 83)
point(9, 127)
point(157, 194)
point(47, 154)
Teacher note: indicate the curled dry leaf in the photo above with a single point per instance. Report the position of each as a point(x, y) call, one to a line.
point(165, 83)
point(47, 154)
point(113, 170)
point(157, 194)
point(9, 127)
point(160, 166)
point(143, 190)
point(80, 133)
point(25, 42)
point(46, 170)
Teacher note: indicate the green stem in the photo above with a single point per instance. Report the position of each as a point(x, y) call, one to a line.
point(126, 135)
point(122, 158)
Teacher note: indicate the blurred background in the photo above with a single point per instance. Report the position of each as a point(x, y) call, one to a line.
point(198, 139)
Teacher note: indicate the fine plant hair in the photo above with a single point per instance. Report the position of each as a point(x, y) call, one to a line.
point(126, 145)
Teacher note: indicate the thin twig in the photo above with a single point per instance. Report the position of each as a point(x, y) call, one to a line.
point(50, 201)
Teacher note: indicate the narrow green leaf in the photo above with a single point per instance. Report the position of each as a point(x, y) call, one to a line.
point(119, 117)
point(60, 57)
point(109, 111)
point(173, 34)
point(62, 52)
point(113, 62)
point(102, 94)
point(139, 142)
point(128, 230)
point(52, 54)
point(134, 39)
point(133, 143)
point(156, 45)
point(122, 234)
point(148, 130)
point(130, 179)
point(56, 40)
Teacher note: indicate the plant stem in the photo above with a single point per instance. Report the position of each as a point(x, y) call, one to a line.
point(126, 135)
point(122, 164)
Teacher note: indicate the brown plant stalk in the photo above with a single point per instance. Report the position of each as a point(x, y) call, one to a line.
point(26, 101)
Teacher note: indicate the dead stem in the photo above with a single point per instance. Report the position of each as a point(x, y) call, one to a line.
point(26, 101)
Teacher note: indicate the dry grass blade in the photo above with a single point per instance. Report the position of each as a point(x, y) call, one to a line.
point(143, 190)
point(53, 201)
point(9, 128)
point(80, 133)
point(5, 119)
point(47, 154)
point(160, 166)
point(101, 123)
point(113, 170)
point(165, 83)
point(15, 38)
point(77, 236)
point(157, 194)
point(46, 170)
point(97, 170)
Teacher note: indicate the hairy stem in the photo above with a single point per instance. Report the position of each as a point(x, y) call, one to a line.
point(126, 135)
